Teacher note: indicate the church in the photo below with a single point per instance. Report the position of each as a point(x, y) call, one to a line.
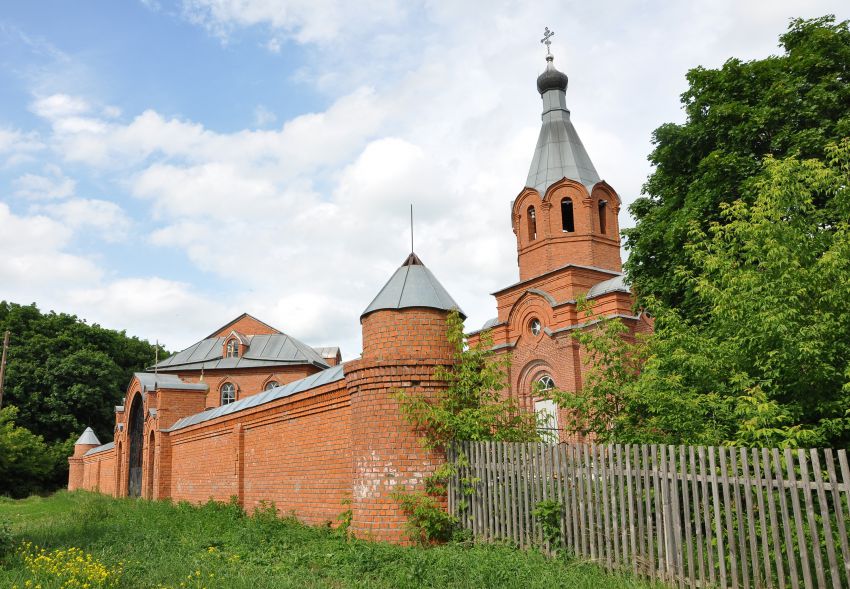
point(252, 414)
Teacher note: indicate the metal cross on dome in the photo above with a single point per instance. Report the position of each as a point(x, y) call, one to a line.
point(546, 40)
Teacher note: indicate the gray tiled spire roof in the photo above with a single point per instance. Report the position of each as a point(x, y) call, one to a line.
point(412, 285)
point(559, 152)
point(88, 438)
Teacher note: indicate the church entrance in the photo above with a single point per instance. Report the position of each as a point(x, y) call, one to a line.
point(136, 435)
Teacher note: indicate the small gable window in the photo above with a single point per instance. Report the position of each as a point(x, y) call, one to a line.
point(532, 224)
point(228, 393)
point(232, 349)
point(568, 224)
point(270, 385)
point(603, 207)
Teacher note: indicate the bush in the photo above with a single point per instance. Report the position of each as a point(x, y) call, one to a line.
point(427, 520)
point(6, 540)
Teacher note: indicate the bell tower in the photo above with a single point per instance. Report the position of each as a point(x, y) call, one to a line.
point(565, 214)
point(568, 249)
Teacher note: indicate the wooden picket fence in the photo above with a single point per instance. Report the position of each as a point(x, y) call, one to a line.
point(684, 515)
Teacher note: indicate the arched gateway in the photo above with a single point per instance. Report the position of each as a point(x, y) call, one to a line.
point(136, 435)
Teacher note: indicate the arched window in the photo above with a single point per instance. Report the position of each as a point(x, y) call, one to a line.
point(603, 206)
point(568, 223)
point(270, 385)
point(232, 350)
point(532, 224)
point(545, 383)
point(228, 393)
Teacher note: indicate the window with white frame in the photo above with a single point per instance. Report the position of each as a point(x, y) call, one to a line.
point(547, 420)
point(270, 385)
point(546, 411)
point(232, 349)
point(228, 393)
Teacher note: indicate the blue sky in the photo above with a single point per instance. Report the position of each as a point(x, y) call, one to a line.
point(165, 166)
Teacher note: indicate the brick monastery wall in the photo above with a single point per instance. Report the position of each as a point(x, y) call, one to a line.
point(100, 472)
point(294, 452)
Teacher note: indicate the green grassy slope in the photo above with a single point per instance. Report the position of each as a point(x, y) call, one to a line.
point(156, 544)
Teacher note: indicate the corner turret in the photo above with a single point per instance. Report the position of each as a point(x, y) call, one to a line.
point(405, 337)
point(87, 441)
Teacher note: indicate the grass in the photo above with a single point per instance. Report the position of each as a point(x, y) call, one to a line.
point(157, 544)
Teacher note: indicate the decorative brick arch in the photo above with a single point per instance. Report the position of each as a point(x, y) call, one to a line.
point(528, 375)
point(271, 378)
point(533, 303)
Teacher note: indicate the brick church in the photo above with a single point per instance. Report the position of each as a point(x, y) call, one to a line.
point(253, 413)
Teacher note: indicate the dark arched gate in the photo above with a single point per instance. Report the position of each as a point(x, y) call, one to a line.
point(136, 435)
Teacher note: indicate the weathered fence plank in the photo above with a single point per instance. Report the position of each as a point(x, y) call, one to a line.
point(686, 508)
point(798, 519)
point(839, 512)
point(810, 517)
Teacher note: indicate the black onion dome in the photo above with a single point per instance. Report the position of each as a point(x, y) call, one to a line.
point(551, 79)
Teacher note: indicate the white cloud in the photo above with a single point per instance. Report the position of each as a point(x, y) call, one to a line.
point(153, 308)
point(37, 266)
point(18, 147)
point(34, 256)
point(111, 112)
point(58, 106)
point(105, 218)
point(263, 117)
point(302, 224)
point(308, 21)
point(52, 185)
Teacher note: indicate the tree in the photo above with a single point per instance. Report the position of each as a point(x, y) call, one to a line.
point(768, 361)
point(793, 104)
point(64, 375)
point(474, 405)
point(24, 458)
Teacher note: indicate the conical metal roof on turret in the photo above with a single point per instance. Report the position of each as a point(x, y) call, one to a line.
point(559, 153)
point(412, 285)
point(88, 438)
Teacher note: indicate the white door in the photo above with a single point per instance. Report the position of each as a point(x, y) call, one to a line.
point(547, 420)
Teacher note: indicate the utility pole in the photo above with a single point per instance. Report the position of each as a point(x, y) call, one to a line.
point(3, 366)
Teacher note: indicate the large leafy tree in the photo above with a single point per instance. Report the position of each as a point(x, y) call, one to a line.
point(768, 361)
point(64, 375)
point(25, 461)
point(792, 104)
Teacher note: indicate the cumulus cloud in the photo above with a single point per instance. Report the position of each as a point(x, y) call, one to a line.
point(263, 117)
point(103, 217)
point(17, 147)
point(58, 106)
point(38, 266)
point(34, 256)
point(158, 309)
point(308, 21)
point(52, 185)
point(303, 223)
